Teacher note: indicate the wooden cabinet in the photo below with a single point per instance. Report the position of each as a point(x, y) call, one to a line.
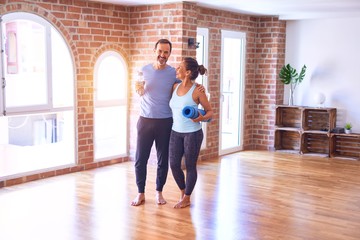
point(345, 145)
point(304, 130)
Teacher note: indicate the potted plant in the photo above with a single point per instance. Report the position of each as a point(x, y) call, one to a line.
point(348, 127)
point(289, 75)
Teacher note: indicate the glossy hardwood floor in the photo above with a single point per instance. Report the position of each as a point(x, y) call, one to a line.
point(247, 195)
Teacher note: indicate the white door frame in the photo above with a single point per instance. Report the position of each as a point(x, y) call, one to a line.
point(204, 32)
point(239, 145)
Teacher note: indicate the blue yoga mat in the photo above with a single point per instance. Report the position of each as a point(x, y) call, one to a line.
point(192, 112)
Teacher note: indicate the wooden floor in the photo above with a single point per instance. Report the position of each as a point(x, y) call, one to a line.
point(247, 195)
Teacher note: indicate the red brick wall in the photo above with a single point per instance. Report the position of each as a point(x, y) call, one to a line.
point(265, 54)
point(215, 21)
point(268, 90)
point(91, 28)
point(176, 22)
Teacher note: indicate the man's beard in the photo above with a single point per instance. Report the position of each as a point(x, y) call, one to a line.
point(162, 61)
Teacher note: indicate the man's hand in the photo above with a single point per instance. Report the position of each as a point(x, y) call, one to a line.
point(200, 87)
point(139, 87)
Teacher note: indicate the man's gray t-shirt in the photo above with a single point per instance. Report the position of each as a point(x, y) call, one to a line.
point(158, 89)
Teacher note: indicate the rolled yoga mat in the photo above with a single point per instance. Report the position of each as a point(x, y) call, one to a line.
point(191, 112)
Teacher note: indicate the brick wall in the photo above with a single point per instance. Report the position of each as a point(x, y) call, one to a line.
point(176, 22)
point(215, 21)
point(268, 90)
point(265, 54)
point(91, 28)
point(148, 24)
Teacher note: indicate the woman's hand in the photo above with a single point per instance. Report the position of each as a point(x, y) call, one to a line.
point(199, 118)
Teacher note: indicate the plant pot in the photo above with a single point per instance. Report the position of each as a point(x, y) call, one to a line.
point(347, 131)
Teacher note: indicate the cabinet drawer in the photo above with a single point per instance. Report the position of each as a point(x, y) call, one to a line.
point(287, 140)
point(315, 143)
point(288, 117)
point(345, 145)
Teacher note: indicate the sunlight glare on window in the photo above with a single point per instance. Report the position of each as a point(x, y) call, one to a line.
point(26, 65)
point(110, 71)
point(62, 84)
point(110, 100)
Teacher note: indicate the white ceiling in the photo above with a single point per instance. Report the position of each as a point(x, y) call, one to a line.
point(285, 9)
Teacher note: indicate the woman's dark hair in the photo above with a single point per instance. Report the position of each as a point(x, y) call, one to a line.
point(192, 65)
point(163, 41)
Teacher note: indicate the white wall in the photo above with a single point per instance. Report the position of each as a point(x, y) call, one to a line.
point(330, 48)
point(4, 132)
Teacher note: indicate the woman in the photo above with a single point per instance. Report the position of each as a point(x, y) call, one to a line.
point(186, 134)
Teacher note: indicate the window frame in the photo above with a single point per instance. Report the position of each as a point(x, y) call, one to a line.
point(204, 32)
point(121, 102)
point(241, 36)
point(62, 109)
point(41, 108)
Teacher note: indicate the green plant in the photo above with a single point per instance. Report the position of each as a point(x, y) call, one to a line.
point(348, 126)
point(289, 75)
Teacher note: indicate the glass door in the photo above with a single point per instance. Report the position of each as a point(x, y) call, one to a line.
point(202, 39)
point(232, 91)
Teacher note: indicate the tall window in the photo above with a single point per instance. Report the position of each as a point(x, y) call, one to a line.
point(37, 96)
point(110, 116)
point(202, 58)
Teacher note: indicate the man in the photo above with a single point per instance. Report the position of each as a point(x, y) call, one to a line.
point(155, 120)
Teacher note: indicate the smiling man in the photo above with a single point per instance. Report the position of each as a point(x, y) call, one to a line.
point(155, 121)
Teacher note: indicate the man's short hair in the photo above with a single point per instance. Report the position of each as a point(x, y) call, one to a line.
point(163, 40)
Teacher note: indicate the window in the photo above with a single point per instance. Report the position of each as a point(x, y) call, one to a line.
point(37, 97)
point(110, 115)
point(202, 58)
